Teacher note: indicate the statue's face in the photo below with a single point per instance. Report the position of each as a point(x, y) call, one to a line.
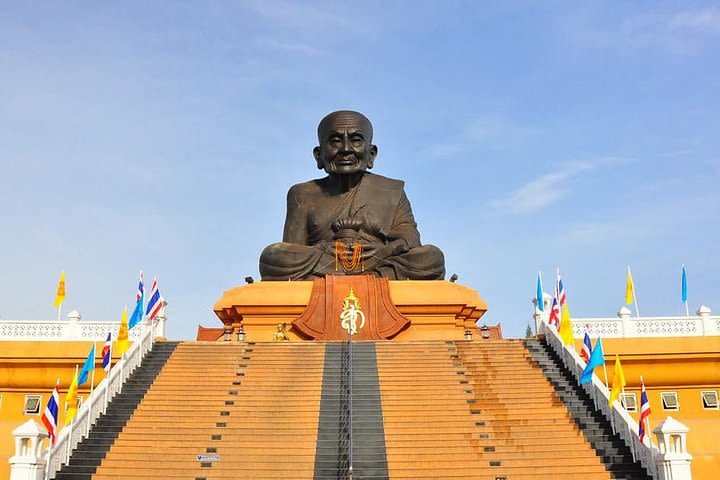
point(345, 144)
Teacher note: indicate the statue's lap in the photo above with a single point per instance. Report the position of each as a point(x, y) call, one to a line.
point(283, 261)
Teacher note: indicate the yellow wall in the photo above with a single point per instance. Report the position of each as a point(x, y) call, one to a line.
point(31, 368)
point(686, 365)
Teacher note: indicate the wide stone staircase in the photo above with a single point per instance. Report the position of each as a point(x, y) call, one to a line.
point(225, 411)
point(609, 446)
point(89, 453)
point(480, 410)
point(420, 410)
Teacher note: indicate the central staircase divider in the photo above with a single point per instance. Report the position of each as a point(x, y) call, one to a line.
point(620, 420)
point(88, 413)
point(351, 437)
point(349, 409)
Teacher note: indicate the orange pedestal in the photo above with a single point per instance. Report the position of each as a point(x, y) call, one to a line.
point(327, 316)
point(435, 309)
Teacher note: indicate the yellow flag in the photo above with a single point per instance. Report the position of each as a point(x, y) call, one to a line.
point(71, 399)
point(630, 289)
point(565, 330)
point(60, 295)
point(122, 343)
point(618, 381)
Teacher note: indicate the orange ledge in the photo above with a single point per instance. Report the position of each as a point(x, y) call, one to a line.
point(437, 309)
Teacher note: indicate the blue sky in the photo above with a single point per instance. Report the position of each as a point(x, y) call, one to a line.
point(164, 136)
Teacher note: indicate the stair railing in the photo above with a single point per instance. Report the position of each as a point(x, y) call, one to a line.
point(345, 467)
point(620, 420)
point(72, 434)
point(350, 409)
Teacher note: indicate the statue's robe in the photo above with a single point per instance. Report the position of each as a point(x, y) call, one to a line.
point(307, 249)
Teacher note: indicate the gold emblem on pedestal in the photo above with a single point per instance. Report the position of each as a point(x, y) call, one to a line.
point(281, 334)
point(351, 313)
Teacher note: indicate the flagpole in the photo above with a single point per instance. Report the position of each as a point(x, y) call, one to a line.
point(57, 431)
point(683, 290)
point(606, 377)
point(59, 310)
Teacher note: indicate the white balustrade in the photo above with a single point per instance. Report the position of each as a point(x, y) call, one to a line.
point(88, 413)
point(624, 325)
point(620, 420)
point(72, 329)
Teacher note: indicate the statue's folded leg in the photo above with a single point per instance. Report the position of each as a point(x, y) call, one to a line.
point(420, 263)
point(292, 261)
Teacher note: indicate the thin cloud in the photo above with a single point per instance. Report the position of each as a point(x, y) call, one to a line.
point(298, 15)
point(484, 130)
point(704, 21)
point(540, 192)
point(292, 48)
point(597, 232)
point(683, 32)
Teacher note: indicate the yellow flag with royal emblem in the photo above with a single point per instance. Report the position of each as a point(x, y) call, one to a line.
point(71, 399)
point(618, 381)
point(565, 331)
point(122, 343)
point(60, 294)
point(629, 289)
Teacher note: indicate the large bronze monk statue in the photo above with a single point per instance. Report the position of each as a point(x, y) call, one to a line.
point(352, 221)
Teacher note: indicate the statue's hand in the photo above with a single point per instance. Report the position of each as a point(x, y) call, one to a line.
point(375, 255)
point(346, 223)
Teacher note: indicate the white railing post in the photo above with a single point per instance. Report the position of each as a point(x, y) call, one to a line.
point(541, 315)
point(71, 328)
point(624, 314)
point(160, 322)
point(28, 463)
point(673, 462)
point(89, 420)
point(709, 325)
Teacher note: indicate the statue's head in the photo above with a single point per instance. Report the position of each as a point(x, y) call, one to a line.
point(345, 143)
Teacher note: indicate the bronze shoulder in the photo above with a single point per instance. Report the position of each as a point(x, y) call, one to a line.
point(385, 183)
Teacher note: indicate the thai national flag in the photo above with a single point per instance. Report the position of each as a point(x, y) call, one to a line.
point(156, 301)
point(106, 351)
point(141, 289)
point(586, 348)
point(562, 296)
point(50, 415)
point(644, 409)
point(555, 312)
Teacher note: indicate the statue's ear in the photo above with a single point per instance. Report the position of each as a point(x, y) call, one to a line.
point(316, 154)
point(372, 156)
